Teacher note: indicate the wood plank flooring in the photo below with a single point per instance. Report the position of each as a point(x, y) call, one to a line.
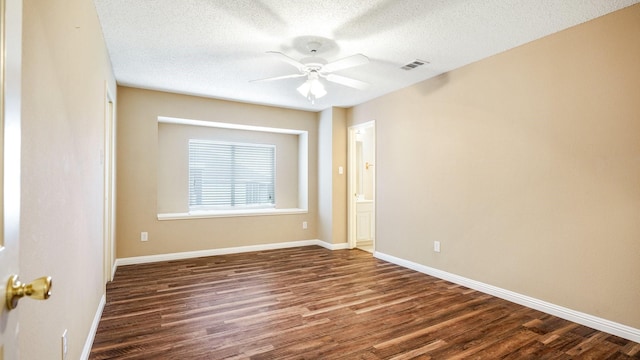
point(313, 303)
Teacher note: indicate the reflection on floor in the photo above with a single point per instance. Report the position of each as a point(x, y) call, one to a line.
point(365, 245)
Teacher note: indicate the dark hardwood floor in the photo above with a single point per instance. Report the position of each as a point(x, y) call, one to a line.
point(313, 303)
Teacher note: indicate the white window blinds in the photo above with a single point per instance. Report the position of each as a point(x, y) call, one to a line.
point(230, 175)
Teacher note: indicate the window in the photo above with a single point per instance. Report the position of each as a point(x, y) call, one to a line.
point(178, 198)
point(231, 175)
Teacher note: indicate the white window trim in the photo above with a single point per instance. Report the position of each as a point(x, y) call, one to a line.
point(303, 173)
point(205, 214)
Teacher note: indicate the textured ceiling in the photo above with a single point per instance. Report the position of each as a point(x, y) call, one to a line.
point(214, 48)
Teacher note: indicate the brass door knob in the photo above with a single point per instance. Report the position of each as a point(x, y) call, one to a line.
point(39, 289)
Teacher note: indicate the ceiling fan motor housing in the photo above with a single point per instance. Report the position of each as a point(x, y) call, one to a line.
point(313, 63)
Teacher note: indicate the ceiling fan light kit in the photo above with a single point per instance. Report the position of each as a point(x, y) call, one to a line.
point(312, 89)
point(314, 68)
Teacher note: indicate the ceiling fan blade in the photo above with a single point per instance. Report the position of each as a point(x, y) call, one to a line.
point(345, 63)
point(279, 77)
point(343, 80)
point(289, 60)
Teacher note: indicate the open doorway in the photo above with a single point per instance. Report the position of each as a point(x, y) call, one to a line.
point(362, 180)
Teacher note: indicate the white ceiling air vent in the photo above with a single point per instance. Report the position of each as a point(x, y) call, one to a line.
point(414, 64)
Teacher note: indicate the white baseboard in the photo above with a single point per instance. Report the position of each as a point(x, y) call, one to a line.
point(591, 321)
point(86, 351)
point(340, 246)
point(225, 251)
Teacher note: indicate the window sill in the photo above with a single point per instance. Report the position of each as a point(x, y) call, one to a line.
point(229, 213)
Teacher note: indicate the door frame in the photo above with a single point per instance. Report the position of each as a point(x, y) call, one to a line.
point(10, 143)
point(108, 158)
point(352, 186)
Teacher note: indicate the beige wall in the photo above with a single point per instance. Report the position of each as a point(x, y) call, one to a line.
point(65, 67)
point(332, 200)
point(137, 183)
point(339, 146)
point(325, 175)
point(525, 166)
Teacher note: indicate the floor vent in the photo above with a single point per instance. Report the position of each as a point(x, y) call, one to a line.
point(412, 65)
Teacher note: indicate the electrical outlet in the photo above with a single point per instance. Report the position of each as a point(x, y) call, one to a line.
point(436, 246)
point(304, 225)
point(65, 346)
point(144, 236)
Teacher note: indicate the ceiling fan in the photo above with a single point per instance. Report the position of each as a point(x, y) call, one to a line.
point(314, 68)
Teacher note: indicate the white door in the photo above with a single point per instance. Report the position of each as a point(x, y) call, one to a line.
point(10, 78)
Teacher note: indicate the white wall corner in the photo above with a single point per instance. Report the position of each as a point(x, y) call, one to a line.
point(338, 246)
